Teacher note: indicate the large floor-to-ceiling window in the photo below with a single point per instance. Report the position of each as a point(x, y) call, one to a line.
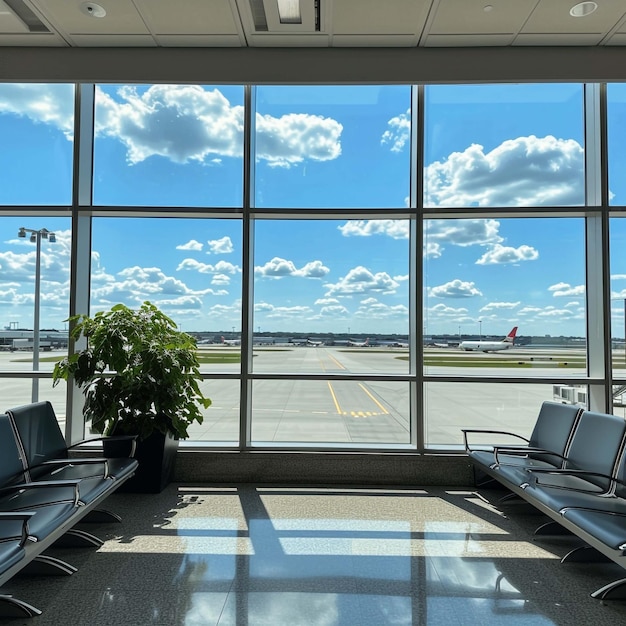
point(340, 252)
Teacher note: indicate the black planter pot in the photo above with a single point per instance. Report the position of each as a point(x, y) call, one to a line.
point(157, 458)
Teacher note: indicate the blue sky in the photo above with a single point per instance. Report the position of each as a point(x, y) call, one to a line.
point(330, 147)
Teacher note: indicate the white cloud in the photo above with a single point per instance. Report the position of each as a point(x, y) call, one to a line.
point(432, 250)
point(396, 229)
point(42, 103)
point(282, 312)
point(188, 123)
point(455, 289)
point(360, 280)
point(279, 268)
point(527, 171)
point(295, 137)
point(313, 269)
point(462, 232)
point(326, 301)
point(136, 284)
point(333, 311)
point(499, 306)
point(565, 289)
point(399, 131)
point(500, 254)
point(220, 246)
point(206, 268)
point(371, 308)
point(445, 311)
point(192, 244)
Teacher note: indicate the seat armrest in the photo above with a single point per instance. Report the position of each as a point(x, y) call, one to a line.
point(467, 431)
point(580, 473)
point(112, 438)
point(24, 517)
point(46, 484)
point(519, 451)
point(76, 461)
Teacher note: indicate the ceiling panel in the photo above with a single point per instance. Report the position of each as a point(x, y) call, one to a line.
point(342, 23)
point(480, 16)
point(190, 17)
point(391, 17)
point(9, 22)
point(455, 41)
point(552, 16)
point(121, 17)
point(558, 39)
point(199, 41)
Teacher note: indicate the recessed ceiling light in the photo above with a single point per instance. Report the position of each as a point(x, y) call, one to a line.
point(487, 8)
point(92, 9)
point(583, 9)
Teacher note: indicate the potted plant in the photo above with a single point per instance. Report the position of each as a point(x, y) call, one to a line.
point(140, 376)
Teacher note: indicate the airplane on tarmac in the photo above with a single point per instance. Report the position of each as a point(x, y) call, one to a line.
point(314, 343)
point(490, 346)
point(359, 344)
point(231, 342)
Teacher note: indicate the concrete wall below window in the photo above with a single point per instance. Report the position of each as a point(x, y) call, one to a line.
point(324, 467)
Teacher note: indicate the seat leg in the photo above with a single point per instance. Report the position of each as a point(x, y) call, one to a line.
point(613, 591)
point(101, 516)
point(46, 565)
point(551, 528)
point(75, 538)
point(12, 608)
point(585, 554)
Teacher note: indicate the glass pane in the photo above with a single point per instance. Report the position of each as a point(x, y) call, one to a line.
point(321, 283)
point(169, 145)
point(485, 277)
point(330, 412)
point(504, 145)
point(617, 244)
point(616, 129)
point(449, 407)
point(37, 136)
point(189, 268)
point(332, 146)
point(18, 391)
point(221, 419)
point(45, 244)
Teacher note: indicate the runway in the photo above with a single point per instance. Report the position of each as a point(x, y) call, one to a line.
point(363, 413)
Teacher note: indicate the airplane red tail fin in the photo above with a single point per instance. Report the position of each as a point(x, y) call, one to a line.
point(510, 338)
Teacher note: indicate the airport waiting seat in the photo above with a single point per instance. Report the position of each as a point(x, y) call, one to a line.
point(37, 514)
point(47, 455)
point(546, 446)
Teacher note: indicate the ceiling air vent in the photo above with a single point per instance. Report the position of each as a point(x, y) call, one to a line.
point(33, 23)
point(258, 15)
point(286, 16)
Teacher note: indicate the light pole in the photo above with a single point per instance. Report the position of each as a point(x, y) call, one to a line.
point(35, 237)
point(480, 330)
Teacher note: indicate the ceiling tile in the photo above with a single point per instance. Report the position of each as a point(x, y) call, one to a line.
point(375, 41)
point(190, 17)
point(470, 17)
point(552, 16)
point(36, 40)
point(557, 39)
point(391, 17)
point(195, 41)
point(113, 41)
point(66, 15)
point(433, 41)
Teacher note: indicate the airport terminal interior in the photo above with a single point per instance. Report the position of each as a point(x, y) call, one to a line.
point(382, 223)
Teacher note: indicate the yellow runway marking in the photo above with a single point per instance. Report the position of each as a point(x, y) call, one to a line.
point(376, 402)
point(337, 363)
point(332, 393)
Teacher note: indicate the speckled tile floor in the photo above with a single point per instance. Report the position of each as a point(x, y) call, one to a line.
point(288, 556)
